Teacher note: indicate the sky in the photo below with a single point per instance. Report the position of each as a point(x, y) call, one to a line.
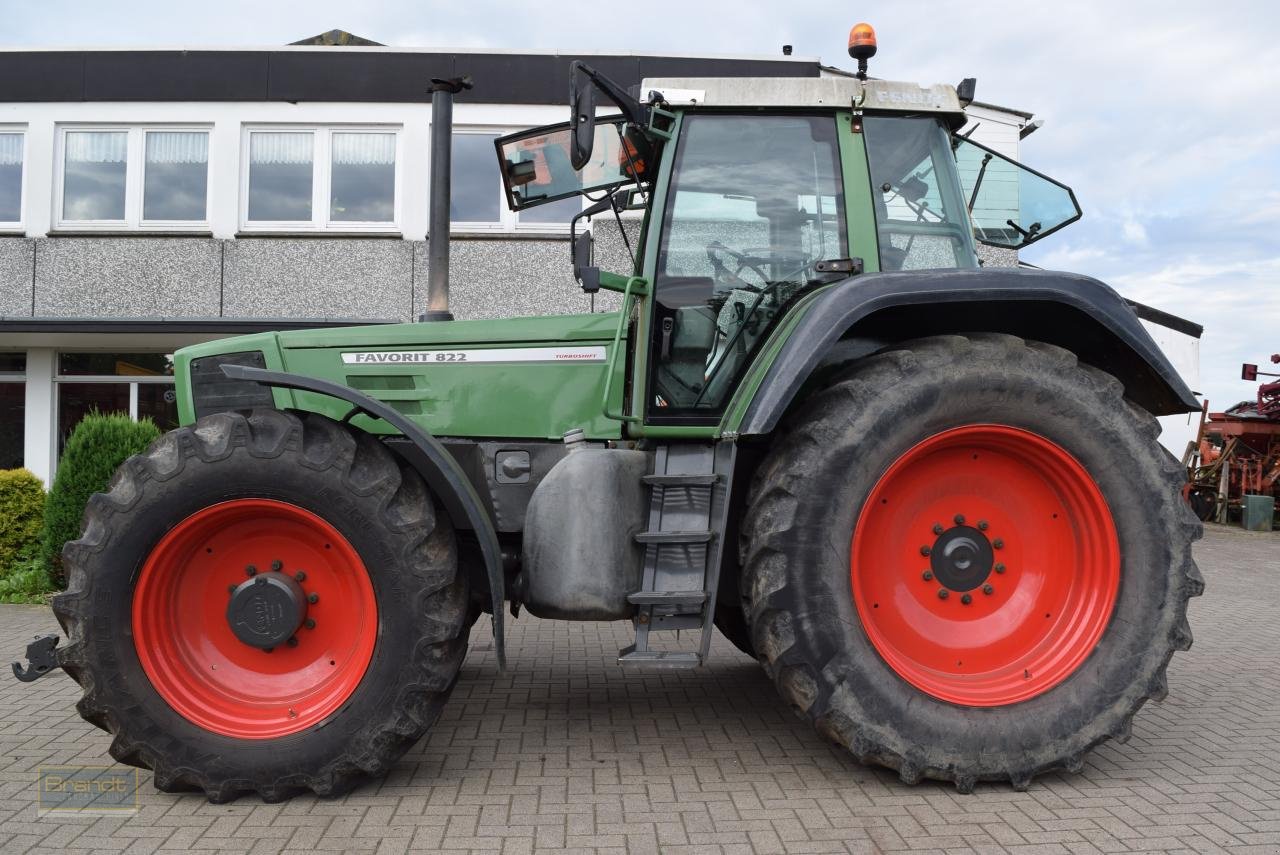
point(1161, 115)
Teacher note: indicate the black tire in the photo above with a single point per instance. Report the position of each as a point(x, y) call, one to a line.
point(356, 485)
point(808, 494)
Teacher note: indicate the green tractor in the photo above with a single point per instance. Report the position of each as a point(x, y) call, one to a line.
point(926, 496)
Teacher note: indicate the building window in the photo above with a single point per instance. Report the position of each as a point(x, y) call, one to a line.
point(478, 203)
point(137, 384)
point(175, 182)
point(11, 158)
point(133, 178)
point(13, 409)
point(305, 179)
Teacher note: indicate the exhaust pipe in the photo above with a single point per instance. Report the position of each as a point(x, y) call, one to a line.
point(442, 92)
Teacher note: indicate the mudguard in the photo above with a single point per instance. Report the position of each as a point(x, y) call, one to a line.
point(872, 311)
point(445, 476)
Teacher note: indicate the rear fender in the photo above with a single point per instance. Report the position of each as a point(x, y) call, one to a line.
point(873, 311)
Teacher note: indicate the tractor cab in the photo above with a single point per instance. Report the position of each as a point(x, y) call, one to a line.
point(754, 193)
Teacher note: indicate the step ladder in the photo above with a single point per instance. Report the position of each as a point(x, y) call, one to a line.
point(688, 509)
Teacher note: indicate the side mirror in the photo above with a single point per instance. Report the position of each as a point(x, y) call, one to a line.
point(582, 117)
point(583, 270)
point(1249, 372)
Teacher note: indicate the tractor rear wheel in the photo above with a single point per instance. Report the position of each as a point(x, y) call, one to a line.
point(968, 559)
point(266, 603)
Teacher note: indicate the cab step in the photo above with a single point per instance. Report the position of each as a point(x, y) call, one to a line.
point(667, 598)
point(674, 537)
point(681, 480)
point(632, 658)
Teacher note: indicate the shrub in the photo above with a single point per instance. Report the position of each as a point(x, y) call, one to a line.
point(21, 512)
point(95, 449)
point(27, 581)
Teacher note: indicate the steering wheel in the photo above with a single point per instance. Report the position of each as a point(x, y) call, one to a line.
point(733, 278)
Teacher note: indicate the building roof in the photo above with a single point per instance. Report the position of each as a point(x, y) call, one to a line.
point(342, 73)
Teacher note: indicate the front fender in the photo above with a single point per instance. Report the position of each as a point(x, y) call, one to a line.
point(872, 311)
point(442, 472)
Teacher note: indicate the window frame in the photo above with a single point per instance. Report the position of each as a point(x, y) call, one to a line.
point(133, 380)
point(135, 169)
point(321, 221)
point(509, 222)
point(18, 225)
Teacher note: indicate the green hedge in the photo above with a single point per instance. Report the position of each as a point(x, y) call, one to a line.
point(22, 575)
point(95, 449)
point(21, 512)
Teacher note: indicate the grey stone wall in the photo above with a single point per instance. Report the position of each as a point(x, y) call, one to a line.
point(995, 257)
point(317, 278)
point(504, 278)
point(373, 279)
point(17, 265)
point(90, 277)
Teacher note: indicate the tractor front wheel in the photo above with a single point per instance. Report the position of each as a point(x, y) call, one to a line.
point(266, 603)
point(968, 559)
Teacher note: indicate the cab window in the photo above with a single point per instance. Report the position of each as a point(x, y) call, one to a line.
point(921, 219)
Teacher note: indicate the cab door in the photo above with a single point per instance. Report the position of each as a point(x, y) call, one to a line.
point(751, 216)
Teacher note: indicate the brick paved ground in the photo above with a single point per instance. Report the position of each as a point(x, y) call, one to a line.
point(565, 753)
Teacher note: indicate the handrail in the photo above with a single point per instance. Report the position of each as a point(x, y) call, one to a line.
point(637, 286)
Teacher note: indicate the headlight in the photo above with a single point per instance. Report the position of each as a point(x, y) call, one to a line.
point(214, 392)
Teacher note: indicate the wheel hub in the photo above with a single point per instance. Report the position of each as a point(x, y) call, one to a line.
point(266, 610)
point(962, 558)
point(985, 565)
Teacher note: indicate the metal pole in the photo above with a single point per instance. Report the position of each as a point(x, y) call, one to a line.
point(442, 92)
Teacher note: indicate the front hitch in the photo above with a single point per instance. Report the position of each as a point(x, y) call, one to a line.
point(41, 659)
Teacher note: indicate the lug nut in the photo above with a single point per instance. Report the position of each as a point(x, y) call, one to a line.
point(983, 525)
point(924, 550)
point(313, 597)
point(300, 576)
point(277, 564)
point(999, 568)
point(311, 624)
point(966, 599)
point(988, 590)
point(261, 580)
point(292, 642)
point(231, 589)
point(251, 570)
point(926, 575)
point(267, 649)
point(938, 529)
point(998, 543)
point(943, 593)
point(959, 518)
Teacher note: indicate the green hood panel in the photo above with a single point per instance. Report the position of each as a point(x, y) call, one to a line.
point(545, 328)
point(518, 378)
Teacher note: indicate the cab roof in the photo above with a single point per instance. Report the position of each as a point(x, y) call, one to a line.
point(837, 92)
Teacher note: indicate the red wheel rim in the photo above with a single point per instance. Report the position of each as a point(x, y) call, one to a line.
point(197, 663)
point(1051, 583)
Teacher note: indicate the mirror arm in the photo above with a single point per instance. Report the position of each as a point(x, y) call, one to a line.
point(630, 107)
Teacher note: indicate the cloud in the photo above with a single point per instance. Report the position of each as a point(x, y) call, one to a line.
point(1134, 232)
